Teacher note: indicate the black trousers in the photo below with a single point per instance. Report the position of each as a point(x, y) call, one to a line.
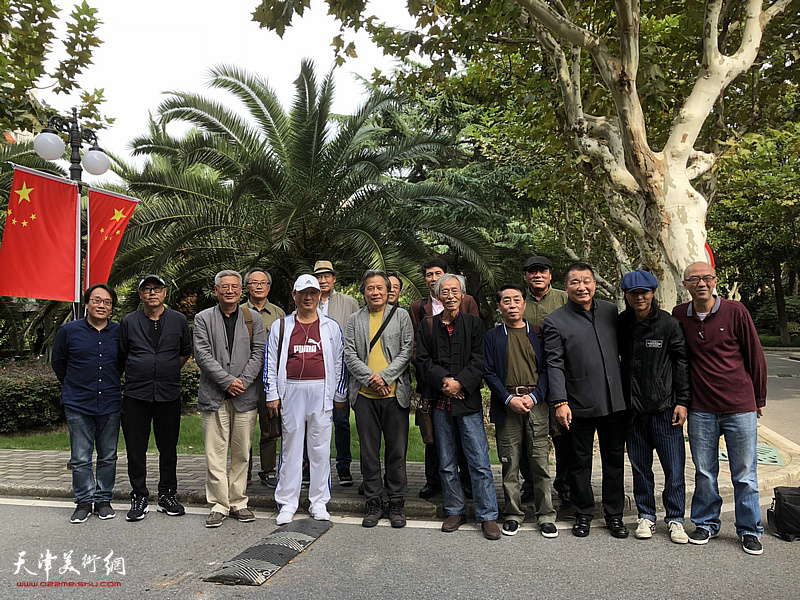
point(562, 443)
point(376, 418)
point(137, 416)
point(611, 433)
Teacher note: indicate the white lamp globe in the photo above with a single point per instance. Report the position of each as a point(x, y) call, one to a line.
point(49, 145)
point(95, 161)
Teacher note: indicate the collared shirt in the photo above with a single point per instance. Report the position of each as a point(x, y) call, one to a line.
point(436, 306)
point(269, 314)
point(537, 310)
point(85, 361)
point(324, 304)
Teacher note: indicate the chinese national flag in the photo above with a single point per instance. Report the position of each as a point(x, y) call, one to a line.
point(109, 214)
point(39, 256)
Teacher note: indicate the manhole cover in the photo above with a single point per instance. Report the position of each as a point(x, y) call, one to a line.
point(767, 455)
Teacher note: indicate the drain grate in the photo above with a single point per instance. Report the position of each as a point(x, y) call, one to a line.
point(767, 455)
point(262, 560)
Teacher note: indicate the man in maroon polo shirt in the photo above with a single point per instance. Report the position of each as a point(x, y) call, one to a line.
point(728, 373)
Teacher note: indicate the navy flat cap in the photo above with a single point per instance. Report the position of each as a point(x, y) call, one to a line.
point(638, 280)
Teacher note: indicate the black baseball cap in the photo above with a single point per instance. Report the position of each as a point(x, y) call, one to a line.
point(537, 261)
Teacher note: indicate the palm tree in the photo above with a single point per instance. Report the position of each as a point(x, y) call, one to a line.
point(283, 189)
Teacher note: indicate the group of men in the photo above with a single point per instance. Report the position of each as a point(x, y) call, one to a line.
point(560, 363)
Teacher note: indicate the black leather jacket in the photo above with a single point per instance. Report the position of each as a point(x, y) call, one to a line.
point(655, 371)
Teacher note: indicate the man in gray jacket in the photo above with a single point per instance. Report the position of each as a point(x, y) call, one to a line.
point(580, 341)
point(378, 343)
point(229, 344)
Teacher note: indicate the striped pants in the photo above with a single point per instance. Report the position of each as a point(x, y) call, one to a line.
point(648, 432)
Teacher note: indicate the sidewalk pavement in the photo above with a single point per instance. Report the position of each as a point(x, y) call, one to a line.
point(43, 474)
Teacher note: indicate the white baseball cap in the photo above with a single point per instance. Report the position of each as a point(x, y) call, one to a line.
point(304, 282)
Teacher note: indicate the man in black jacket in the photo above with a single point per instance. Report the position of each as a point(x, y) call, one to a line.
point(580, 341)
point(450, 363)
point(655, 379)
point(154, 345)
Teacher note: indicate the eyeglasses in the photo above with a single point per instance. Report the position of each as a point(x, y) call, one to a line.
point(97, 301)
point(156, 289)
point(258, 283)
point(229, 286)
point(694, 280)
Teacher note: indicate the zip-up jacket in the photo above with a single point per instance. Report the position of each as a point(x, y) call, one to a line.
point(332, 342)
point(495, 368)
point(655, 371)
point(153, 374)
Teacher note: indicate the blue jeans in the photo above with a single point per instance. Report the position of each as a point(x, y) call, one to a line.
point(646, 433)
point(87, 432)
point(739, 429)
point(476, 449)
point(341, 437)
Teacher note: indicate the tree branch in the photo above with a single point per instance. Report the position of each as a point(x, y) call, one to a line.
point(628, 17)
point(711, 49)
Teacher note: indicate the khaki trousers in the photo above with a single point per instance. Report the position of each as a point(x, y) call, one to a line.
point(221, 428)
point(526, 434)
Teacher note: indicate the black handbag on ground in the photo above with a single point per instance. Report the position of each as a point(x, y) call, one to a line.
point(783, 517)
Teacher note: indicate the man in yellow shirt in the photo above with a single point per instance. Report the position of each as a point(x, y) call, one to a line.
point(378, 343)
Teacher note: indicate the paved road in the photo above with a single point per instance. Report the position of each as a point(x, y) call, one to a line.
point(167, 558)
point(782, 413)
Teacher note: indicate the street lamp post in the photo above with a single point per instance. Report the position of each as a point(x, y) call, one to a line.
point(49, 146)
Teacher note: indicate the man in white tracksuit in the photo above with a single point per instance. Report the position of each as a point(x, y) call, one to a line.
point(304, 377)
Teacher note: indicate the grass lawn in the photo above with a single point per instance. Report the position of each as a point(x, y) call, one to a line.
point(191, 440)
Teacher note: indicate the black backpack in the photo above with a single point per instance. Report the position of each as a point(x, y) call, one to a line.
point(784, 515)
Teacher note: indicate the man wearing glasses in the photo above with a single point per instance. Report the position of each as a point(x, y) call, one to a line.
point(728, 373)
point(154, 345)
point(85, 360)
point(229, 344)
point(258, 283)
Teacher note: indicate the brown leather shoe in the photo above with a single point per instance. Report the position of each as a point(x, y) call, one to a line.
point(453, 522)
point(491, 530)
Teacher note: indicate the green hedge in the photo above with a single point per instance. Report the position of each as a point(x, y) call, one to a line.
point(30, 396)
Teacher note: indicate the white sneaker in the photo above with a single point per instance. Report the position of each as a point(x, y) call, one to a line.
point(645, 529)
point(284, 517)
point(319, 512)
point(677, 534)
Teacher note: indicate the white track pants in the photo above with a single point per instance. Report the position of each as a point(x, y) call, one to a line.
point(303, 414)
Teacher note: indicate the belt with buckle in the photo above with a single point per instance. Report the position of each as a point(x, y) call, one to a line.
point(521, 390)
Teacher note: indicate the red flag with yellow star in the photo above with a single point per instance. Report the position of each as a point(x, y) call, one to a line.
point(39, 257)
point(109, 214)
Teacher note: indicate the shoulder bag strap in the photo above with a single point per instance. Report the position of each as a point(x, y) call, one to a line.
point(248, 321)
point(383, 326)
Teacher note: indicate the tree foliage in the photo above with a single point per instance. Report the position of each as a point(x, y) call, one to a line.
point(625, 88)
point(27, 41)
point(281, 189)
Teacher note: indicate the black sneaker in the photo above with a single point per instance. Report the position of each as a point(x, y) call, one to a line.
point(751, 544)
point(104, 511)
point(168, 503)
point(549, 530)
point(701, 536)
point(510, 527)
point(345, 478)
point(81, 513)
point(138, 509)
